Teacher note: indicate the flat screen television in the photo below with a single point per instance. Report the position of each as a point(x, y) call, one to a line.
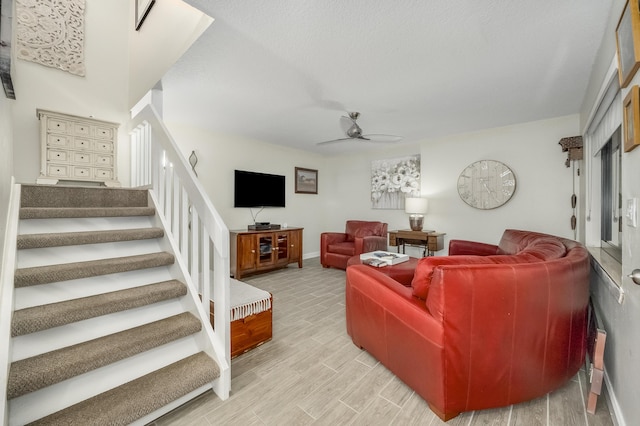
point(253, 189)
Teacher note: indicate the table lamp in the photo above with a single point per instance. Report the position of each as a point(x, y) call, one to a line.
point(416, 207)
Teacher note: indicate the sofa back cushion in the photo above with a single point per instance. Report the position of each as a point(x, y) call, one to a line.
point(542, 246)
point(527, 247)
point(361, 228)
point(546, 248)
point(424, 270)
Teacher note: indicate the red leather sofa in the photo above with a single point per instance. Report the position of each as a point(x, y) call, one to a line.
point(360, 236)
point(486, 326)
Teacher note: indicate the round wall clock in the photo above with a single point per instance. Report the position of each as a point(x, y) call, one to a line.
point(486, 184)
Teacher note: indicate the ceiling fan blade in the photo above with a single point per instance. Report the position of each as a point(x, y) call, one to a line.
point(380, 138)
point(334, 141)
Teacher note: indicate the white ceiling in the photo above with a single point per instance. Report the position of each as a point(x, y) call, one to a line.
point(284, 71)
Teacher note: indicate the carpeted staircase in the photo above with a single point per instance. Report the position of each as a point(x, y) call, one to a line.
point(103, 331)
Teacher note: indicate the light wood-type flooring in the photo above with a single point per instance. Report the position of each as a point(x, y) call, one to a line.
point(311, 373)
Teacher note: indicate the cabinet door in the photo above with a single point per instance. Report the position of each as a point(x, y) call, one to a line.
point(282, 252)
point(266, 249)
point(246, 253)
point(295, 250)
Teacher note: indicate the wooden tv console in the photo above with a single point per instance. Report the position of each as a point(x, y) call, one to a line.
point(264, 250)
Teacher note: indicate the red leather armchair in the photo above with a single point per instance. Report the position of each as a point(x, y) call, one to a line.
point(359, 237)
point(498, 327)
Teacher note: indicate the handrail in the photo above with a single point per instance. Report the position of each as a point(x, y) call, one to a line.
point(6, 293)
point(194, 225)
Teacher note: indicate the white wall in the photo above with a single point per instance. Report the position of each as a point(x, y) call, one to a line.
point(541, 201)
point(6, 162)
point(102, 93)
point(218, 157)
point(171, 24)
point(121, 66)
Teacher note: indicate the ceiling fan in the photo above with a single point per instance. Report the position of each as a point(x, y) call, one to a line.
point(354, 131)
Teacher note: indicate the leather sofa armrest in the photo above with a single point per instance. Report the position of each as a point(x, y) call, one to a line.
point(370, 243)
point(326, 239)
point(384, 294)
point(463, 247)
point(332, 238)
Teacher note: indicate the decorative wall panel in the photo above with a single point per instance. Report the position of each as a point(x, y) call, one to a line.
point(51, 33)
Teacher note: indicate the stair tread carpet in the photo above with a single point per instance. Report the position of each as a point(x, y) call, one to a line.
point(74, 196)
point(77, 212)
point(37, 372)
point(134, 400)
point(28, 241)
point(70, 271)
point(38, 318)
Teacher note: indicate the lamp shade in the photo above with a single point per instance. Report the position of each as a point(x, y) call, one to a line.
point(416, 205)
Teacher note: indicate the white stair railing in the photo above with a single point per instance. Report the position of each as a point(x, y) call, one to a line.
point(197, 230)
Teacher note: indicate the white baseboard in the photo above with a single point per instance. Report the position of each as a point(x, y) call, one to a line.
point(612, 402)
point(311, 255)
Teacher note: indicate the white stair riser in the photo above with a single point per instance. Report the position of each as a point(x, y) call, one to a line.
point(43, 402)
point(45, 226)
point(26, 297)
point(58, 337)
point(59, 255)
point(170, 407)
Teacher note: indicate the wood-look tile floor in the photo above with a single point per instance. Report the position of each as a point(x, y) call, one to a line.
point(311, 373)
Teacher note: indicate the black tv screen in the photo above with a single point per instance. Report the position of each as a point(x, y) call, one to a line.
point(253, 189)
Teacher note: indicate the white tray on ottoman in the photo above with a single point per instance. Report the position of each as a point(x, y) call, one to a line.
point(384, 257)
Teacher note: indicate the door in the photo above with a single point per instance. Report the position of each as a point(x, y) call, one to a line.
point(266, 250)
point(295, 249)
point(282, 248)
point(246, 253)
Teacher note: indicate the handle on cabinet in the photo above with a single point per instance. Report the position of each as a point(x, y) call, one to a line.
point(635, 276)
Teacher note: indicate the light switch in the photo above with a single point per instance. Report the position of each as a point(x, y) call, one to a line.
point(632, 212)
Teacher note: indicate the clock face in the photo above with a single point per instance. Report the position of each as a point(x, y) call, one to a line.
point(486, 184)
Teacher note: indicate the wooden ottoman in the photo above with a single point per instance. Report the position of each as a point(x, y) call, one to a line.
point(401, 272)
point(251, 317)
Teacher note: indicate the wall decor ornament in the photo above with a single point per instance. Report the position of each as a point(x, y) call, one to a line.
point(486, 184)
point(51, 33)
point(306, 181)
point(574, 146)
point(628, 42)
point(393, 180)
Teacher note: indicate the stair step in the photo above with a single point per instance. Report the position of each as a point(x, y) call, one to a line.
point(31, 374)
point(70, 271)
point(38, 318)
point(133, 400)
point(66, 212)
point(73, 196)
point(29, 241)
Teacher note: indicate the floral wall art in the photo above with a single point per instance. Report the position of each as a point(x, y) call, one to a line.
point(394, 179)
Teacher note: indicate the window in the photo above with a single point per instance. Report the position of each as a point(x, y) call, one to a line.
point(611, 206)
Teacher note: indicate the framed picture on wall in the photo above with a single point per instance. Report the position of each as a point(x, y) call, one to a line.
point(306, 181)
point(628, 42)
point(142, 10)
point(631, 119)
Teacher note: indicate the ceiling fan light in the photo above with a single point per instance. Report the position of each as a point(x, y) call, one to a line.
point(354, 131)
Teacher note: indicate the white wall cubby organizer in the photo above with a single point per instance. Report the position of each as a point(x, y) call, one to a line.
point(77, 149)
